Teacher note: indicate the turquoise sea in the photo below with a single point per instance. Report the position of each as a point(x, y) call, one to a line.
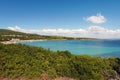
point(91, 47)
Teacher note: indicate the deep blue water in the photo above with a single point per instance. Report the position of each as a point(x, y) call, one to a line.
point(90, 47)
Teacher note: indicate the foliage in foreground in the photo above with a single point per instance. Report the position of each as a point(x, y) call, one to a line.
point(18, 60)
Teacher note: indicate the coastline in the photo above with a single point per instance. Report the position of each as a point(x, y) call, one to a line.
point(14, 41)
point(18, 41)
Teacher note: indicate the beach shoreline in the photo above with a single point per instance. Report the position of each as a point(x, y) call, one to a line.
point(14, 41)
point(18, 41)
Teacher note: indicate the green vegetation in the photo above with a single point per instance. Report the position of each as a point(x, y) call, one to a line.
point(6, 35)
point(22, 61)
point(18, 60)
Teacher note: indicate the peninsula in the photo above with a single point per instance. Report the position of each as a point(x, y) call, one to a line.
point(9, 36)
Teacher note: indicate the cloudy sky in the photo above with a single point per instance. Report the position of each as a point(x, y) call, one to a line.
point(77, 18)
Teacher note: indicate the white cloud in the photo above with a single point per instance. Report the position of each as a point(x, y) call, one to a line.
point(91, 31)
point(16, 28)
point(96, 19)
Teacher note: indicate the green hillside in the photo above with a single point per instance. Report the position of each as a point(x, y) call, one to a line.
point(21, 61)
point(6, 35)
point(7, 32)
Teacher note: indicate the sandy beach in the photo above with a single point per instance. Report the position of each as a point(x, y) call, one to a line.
point(13, 41)
point(18, 41)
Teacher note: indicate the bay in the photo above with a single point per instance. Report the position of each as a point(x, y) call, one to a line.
point(105, 48)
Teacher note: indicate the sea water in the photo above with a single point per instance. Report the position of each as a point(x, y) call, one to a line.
point(89, 47)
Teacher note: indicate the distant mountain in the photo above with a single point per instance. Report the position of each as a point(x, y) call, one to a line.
point(6, 35)
point(9, 32)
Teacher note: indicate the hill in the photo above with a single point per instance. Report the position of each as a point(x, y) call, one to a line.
point(6, 35)
point(18, 61)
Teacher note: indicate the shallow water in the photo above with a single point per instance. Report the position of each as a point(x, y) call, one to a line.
point(90, 47)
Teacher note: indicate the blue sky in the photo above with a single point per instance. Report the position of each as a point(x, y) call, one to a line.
point(58, 14)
